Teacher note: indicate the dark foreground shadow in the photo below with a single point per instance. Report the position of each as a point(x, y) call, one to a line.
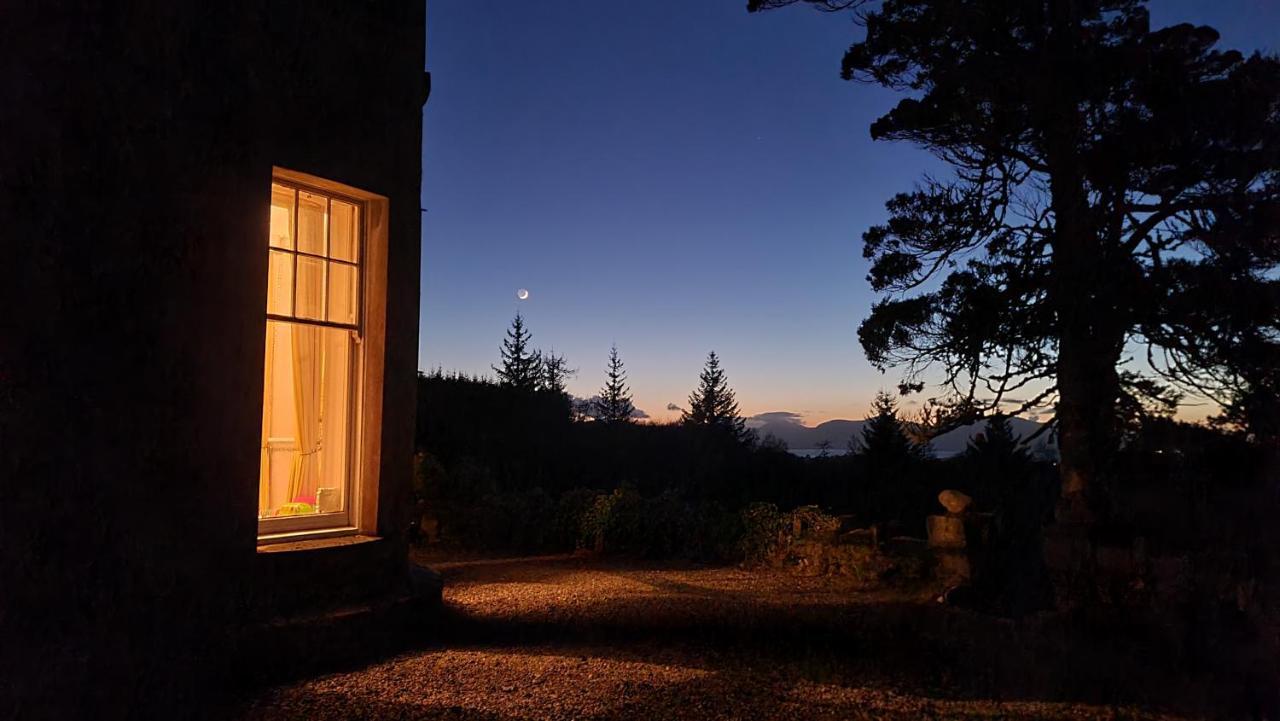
point(921, 649)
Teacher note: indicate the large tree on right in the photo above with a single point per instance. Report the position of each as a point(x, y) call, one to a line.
point(1114, 190)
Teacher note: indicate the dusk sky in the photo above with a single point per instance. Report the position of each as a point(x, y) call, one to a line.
point(674, 176)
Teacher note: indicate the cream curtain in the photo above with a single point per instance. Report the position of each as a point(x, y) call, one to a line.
point(308, 354)
point(264, 465)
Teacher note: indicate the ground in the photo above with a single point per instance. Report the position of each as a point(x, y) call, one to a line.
point(567, 637)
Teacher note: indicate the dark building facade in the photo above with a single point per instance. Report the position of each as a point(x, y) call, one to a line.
point(149, 151)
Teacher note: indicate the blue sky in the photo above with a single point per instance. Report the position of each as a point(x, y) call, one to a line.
point(675, 176)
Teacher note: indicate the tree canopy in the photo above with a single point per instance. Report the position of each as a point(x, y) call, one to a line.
point(889, 461)
point(1114, 192)
point(521, 365)
point(884, 436)
point(713, 402)
point(556, 372)
point(614, 405)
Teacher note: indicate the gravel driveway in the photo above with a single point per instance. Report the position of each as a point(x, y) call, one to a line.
point(575, 638)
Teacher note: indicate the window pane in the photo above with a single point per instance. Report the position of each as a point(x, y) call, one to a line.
point(344, 224)
point(335, 420)
point(342, 293)
point(311, 222)
point(310, 295)
point(280, 283)
point(307, 420)
point(281, 216)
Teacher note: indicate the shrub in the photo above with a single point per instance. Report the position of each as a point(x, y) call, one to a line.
point(520, 521)
point(624, 522)
point(596, 519)
point(565, 531)
point(761, 532)
point(811, 522)
point(718, 535)
point(768, 533)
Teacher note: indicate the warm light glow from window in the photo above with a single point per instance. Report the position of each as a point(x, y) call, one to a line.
point(312, 359)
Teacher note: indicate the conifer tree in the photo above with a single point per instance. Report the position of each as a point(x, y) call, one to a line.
point(713, 403)
point(615, 404)
point(999, 461)
point(521, 367)
point(997, 441)
point(884, 435)
point(888, 458)
point(555, 372)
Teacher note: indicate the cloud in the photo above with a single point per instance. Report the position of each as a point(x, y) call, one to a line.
point(674, 407)
point(587, 406)
point(778, 417)
point(775, 418)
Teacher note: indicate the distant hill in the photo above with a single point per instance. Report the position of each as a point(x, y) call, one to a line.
point(788, 428)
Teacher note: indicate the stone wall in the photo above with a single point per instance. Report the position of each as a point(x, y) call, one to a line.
point(134, 174)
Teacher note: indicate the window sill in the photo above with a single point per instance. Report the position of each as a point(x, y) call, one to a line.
point(312, 540)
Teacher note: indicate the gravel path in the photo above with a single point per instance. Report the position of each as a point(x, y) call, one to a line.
point(574, 638)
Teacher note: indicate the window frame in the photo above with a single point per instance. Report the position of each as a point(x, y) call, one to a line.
point(330, 196)
point(359, 514)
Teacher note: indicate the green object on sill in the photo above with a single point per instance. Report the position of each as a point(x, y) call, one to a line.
point(296, 509)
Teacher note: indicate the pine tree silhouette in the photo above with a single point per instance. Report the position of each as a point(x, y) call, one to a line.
point(888, 457)
point(713, 403)
point(997, 441)
point(999, 462)
point(615, 404)
point(884, 435)
point(555, 372)
point(521, 365)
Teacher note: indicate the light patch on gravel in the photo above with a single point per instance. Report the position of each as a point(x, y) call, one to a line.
point(606, 651)
point(480, 684)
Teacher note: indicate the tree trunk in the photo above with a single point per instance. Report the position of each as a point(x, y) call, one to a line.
point(1083, 287)
point(1088, 386)
point(1090, 326)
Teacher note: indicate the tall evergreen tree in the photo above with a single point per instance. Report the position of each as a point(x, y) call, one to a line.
point(997, 440)
point(1112, 186)
point(888, 458)
point(885, 438)
point(556, 372)
point(614, 405)
point(521, 367)
point(1000, 462)
point(713, 403)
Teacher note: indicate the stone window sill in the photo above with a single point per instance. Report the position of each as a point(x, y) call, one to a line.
point(312, 540)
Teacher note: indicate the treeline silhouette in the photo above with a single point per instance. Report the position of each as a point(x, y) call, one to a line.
point(516, 463)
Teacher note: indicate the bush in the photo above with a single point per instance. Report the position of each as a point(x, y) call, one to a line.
point(520, 521)
point(719, 535)
point(565, 532)
point(761, 532)
point(624, 522)
point(768, 533)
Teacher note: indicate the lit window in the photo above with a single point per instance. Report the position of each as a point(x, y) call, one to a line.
point(312, 389)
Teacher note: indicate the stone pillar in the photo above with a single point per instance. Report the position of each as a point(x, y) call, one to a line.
point(957, 538)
